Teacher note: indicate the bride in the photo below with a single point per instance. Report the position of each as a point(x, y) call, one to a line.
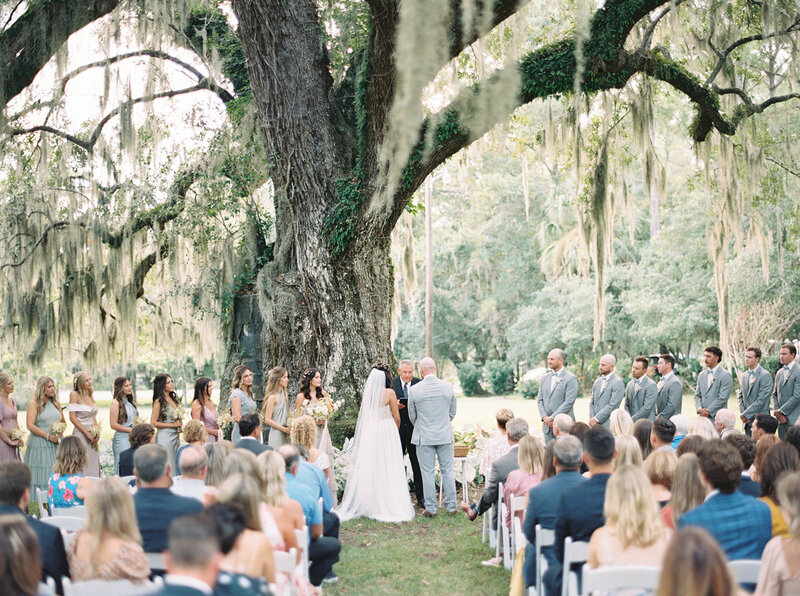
point(377, 486)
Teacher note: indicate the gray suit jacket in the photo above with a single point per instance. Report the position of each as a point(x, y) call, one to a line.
point(431, 408)
point(640, 400)
point(787, 393)
point(605, 401)
point(670, 397)
point(557, 393)
point(501, 468)
point(755, 392)
point(715, 397)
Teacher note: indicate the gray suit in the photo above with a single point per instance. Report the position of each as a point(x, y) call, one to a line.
point(755, 392)
point(431, 409)
point(640, 399)
point(786, 395)
point(606, 399)
point(670, 396)
point(557, 394)
point(713, 397)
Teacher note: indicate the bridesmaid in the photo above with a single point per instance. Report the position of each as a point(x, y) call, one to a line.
point(164, 418)
point(43, 411)
point(9, 448)
point(83, 415)
point(311, 390)
point(276, 406)
point(121, 417)
point(241, 400)
point(203, 408)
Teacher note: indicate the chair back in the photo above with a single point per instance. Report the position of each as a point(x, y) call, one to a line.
point(745, 571)
point(574, 552)
point(302, 544)
point(41, 500)
point(47, 589)
point(65, 522)
point(613, 578)
point(498, 528)
point(517, 504)
point(155, 561)
point(95, 587)
point(286, 563)
point(519, 536)
point(544, 537)
point(74, 511)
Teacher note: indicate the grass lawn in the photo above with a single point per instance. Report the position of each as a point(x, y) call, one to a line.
point(431, 556)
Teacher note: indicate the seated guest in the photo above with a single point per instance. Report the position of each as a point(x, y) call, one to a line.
point(501, 468)
point(141, 434)
point(780, 562)
point(620, 422)
point(688, 491)
point(215, 469)
point(660, 467)
point(690, 444)
point(641, 430)
point(681, 423)
point(194, 464)
point(633, 533)
point(304, 432)
point(793, 436)
point(109, 546)
point(280, 515)
point(562, 423)
point(194, 558)
point(156, 506)
point(763, 445)
point(724, 421)
point(252, 553)
point(779, 460)
point(323, 551)
point(747, 451)
point(628, 451)
point(528, 475)
point(694, 564)
point(580, 508)
point(195, 434)
point(662, 435)
point(250, 429)
point(763, 425)
point(19, 558)
point(497, 446)
point(742, 525)
point(543, 499)
point(314, 478)
point(548, 469)
point(67, 487)
point(15, 482)
point(703, 427)
point(244, 462)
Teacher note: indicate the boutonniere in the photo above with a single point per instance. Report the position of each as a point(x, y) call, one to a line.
point(713, 378)
point(660, 385)
point(638, 387)
point(559, 379)
point(752, 380)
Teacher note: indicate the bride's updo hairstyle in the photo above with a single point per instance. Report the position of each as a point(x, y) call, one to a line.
point(386, 370)
point(304, 431)
point(305, 384)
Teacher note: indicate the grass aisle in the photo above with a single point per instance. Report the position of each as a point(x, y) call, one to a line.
point(436, 557)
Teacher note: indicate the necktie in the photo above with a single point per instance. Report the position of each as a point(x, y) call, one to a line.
point(405, 390)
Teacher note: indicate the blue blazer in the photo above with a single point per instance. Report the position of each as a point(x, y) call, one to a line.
point(155, 510)
point(750, 487)
point(741, 525)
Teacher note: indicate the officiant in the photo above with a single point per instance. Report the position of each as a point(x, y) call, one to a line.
point(401, 386)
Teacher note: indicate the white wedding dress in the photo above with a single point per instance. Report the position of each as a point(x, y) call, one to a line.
point(377, 486)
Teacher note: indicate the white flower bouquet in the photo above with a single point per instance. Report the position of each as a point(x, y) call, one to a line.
point(95, 433)
point(58, 428)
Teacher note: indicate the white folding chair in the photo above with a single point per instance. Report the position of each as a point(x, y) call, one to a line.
point(65, 523)
point(120, 587)
point(517, 504)
point(520, 541)
point(505, 537)
point(127, 479)
point(613, 578)
point(286, 563)
point(302, 544)
point(487, 533)
point(155, 561)
point(574, 552)
point(41, 500)
point(544, 537)
point(48, 588)
point(74, 511)
point(496, 529)
point(745, 571)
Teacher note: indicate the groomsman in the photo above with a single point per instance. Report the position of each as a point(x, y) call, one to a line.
point(756, 389)
point(786, 394)
point(402, 387)
point(641, 392)
point(670, 391)
point(557, 393)
point(714, 385)
point(607, 392)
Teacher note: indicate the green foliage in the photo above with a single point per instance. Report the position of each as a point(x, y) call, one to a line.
point(469, 376)
point(500, 374)
point(528, 388)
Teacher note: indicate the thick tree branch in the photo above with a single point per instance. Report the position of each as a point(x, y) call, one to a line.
point(34, 38)
point(486, 15)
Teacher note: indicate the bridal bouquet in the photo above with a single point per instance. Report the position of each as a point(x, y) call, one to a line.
point(58, 428)
point(95, 433)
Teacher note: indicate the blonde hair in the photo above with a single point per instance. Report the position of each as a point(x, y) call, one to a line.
point(238, 373)
point(215, 470)
point(71, 457)
point(631, 507)
point(503, 415)
point(274, 468)
point(241, 490)
point(274, 377)
point(5, 379)
point(304, 431)
point(621, 422)
point(703, 427)
point(628, 451)
point(687, 489)
point(195, 431)
point(660, 467)
point(789, 498)
point(39, 397)
point(79, 383)
point(530, 454)
point(109, 508)
point(242, 461)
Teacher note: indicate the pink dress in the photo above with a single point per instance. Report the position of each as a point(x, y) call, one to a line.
point(8, 418)
point(209, 418)
point(518, 483)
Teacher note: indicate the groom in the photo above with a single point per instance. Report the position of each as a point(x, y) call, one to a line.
point(431, 408)
point(402, 387)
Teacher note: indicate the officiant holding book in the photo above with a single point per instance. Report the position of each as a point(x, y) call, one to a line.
point(402, 386)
